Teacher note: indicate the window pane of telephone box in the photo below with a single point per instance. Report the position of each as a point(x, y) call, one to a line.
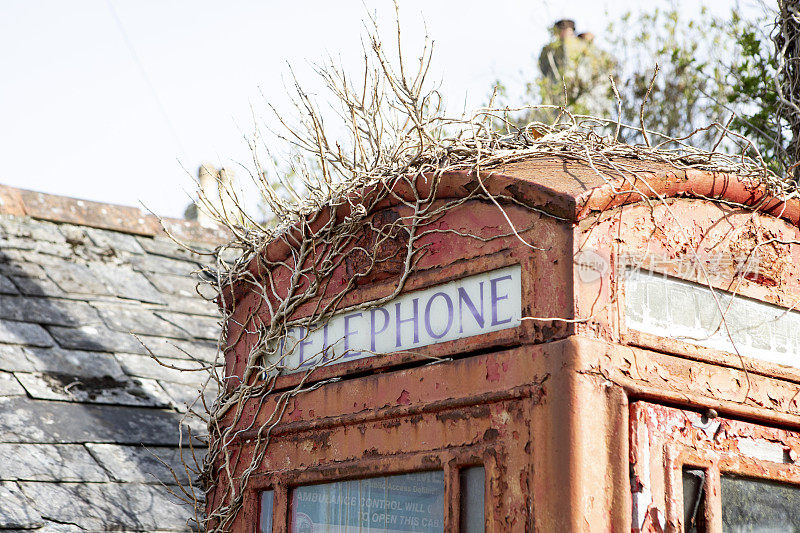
point(472, 495)
point(407, 503)
point(694, 500)
point(265, 514)
point(759, 506)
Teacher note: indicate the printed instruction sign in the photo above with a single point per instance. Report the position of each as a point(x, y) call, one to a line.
point(407, 503)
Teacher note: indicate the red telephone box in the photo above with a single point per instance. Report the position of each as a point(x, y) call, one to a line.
point(575, 348)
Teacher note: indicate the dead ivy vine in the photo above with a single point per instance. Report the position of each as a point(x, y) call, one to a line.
point(397, 135)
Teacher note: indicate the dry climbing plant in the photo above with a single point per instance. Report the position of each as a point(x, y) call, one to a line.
point(787, 81)
point(397, 134)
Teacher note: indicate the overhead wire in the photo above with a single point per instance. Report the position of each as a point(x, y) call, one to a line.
point(143, 72)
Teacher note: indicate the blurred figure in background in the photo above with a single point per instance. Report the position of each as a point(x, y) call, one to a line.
point(576, 70)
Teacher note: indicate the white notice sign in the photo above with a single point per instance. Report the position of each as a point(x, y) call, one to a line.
point(471, 306)
point(670, 307)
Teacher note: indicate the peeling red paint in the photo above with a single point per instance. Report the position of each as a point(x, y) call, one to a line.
point(576, 404)
point(404, 398)
point(761, 279)
point(492, 371)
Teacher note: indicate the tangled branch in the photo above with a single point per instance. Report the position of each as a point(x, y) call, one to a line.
point(398, 135)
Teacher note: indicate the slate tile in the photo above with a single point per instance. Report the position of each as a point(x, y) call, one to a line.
point(6, 286)
point(180, 349)
point(29, 278)
point(124, 282)
point(9, 386)
point(137, 319)
point(191, 306)
point(114, 240)
point(49, 462)
point(52, 251)
point(207, 291)
point(77, 278)
point(55, 527)
point(89, 377)
point(10, 255)
point(164, 265)
point(74, 235)
point(42, 252)
point(36, 230)
point(16, 265)
point(102, 390)
point(73, 363)
point(165, 247)
point(139, 464)
point(14, 358)
point(199, 327)
point(109, 506)
point(230, 255)
point(187, 397)
point(79, 250)
point(178, 285)
point(37, 287)
point(16, 510)
point(47, 311)
point(26, 420)
point(24, 333)
point(8, 242)
point(43, 231)
point(99, 338)
point(146, 367)
point(49, 260)
point(78, 325)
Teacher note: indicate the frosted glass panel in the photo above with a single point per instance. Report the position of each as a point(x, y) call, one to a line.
point(472, 495)
point(758, 506)
point(407, 503)
point(670, 307)
point(265, 514)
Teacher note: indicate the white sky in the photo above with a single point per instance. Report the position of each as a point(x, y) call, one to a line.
point(80, 117)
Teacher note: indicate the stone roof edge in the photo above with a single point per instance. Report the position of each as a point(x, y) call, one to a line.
point(120, 218)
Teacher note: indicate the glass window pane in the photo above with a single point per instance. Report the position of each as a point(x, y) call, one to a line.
point(759, 506)
point(403, 503)
point(265, 514)
point(472, 493)
point(694, 500)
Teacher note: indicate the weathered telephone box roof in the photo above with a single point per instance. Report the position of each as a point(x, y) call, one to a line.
point(555, 193)
point(571, 189)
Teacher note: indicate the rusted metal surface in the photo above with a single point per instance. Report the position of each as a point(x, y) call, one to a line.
point(472, 411)
point(553, 409)
point(678, 380)
point(664, 440)
point(580, 453)
point(574, 190)
point(701, 233)
point(43, 206)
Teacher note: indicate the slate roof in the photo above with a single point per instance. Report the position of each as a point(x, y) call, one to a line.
point(83, 408)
